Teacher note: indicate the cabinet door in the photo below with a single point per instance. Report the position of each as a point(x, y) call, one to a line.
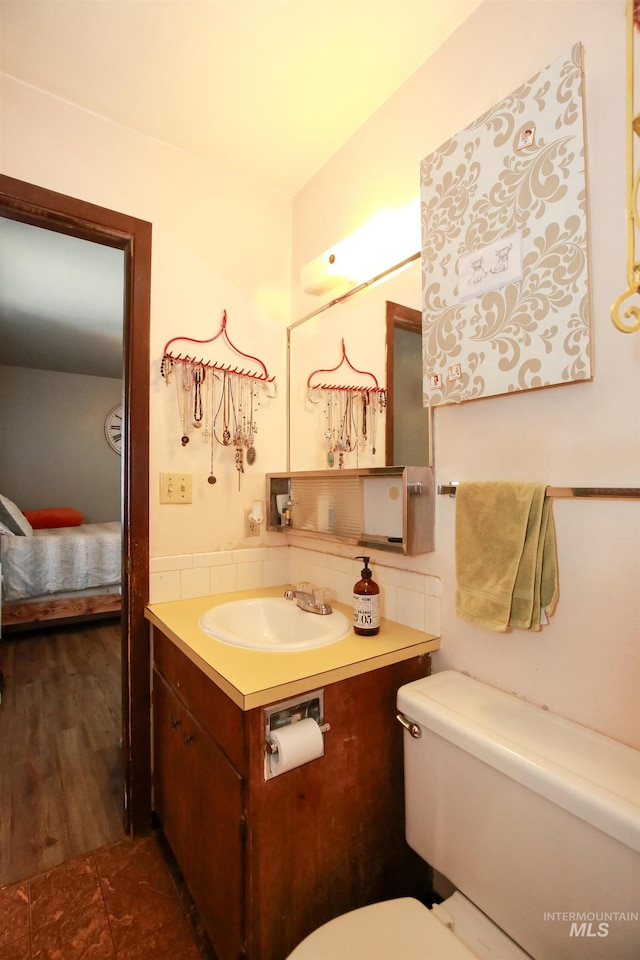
point(199, 798)
point(170, 801)
point(214, 864)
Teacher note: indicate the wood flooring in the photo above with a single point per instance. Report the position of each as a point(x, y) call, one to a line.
point(61, 789)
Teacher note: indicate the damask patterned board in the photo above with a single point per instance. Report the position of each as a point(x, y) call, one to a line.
point(505, 290)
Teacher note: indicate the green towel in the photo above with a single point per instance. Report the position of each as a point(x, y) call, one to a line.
point(505, 555)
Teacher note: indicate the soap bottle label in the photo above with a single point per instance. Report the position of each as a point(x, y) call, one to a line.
point(366, 611)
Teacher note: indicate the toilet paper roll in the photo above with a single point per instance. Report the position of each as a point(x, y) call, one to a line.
point(297, 743)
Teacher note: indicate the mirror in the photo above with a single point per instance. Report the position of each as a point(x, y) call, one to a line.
point(380, 326)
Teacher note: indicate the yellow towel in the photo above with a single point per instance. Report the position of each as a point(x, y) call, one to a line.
point(505, 555)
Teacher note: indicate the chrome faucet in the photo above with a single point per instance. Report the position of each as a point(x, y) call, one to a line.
point(311, 602)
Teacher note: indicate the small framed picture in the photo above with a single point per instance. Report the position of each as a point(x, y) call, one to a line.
point(527, 138)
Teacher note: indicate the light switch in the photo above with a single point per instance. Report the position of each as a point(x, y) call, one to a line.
point(175, 488)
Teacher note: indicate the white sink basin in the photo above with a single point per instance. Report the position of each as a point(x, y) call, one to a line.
point(272, 623)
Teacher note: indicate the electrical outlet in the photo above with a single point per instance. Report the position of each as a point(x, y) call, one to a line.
point(251, 528)
point(175, 488)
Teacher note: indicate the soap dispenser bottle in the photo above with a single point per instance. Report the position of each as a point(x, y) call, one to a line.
point(366, 603)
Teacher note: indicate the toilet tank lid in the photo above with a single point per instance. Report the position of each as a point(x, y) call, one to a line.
point(584, 772)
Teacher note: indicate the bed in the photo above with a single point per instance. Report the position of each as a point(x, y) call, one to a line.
point(57, 572)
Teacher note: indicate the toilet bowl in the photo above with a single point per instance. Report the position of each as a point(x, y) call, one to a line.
point(534, 820)
point(404, 929)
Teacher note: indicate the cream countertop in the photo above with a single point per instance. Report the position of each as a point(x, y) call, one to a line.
point(252, 678)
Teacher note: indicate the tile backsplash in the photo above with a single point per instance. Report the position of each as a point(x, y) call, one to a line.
point(407, 597)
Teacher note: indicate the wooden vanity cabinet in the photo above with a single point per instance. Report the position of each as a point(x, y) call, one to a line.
point(199, 795)
point(267, 862)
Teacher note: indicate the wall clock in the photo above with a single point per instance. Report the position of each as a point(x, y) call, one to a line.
point(113, 428)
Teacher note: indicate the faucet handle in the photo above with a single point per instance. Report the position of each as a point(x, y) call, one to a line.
point(322, 599)
point(306, 587)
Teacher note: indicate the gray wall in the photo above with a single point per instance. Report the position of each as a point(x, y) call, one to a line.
point(53, 451)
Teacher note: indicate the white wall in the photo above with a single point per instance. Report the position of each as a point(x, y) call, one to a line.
point(53, 451)
point(586, 663)
point(219, 241)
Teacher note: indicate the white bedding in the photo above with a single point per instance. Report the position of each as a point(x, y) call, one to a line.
point(61, 559)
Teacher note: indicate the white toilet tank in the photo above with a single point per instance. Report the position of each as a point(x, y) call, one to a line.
point(534, 818)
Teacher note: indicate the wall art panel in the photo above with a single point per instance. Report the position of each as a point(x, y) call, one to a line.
point(504, 246)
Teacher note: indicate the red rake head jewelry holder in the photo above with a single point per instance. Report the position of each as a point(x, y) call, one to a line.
point(196, 374)
point(346, 426)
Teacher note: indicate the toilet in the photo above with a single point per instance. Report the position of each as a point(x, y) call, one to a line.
point(534, 819)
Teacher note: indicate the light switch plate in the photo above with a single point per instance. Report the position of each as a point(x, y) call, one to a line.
point(175, 488)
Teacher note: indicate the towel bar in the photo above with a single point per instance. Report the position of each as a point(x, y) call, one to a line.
point(568, 493)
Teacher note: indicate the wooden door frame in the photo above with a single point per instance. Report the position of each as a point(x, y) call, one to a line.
point(54, 211)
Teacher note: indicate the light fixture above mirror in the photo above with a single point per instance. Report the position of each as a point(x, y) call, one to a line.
point(386, 239)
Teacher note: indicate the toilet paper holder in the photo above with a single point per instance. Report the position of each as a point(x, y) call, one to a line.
point(279, 715)
point(272, 748)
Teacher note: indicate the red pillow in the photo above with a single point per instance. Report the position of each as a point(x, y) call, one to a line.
point(54, 517)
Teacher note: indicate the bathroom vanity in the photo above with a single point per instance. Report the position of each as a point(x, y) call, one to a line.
point(268, 860)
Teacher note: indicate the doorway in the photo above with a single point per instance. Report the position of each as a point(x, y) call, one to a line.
point(53, 211)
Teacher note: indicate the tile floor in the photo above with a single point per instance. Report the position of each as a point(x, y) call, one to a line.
point(124, 901)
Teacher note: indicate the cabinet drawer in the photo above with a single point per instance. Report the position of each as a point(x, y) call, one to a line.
point(219, 716)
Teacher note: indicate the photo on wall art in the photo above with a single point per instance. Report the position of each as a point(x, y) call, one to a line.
point(505, 288)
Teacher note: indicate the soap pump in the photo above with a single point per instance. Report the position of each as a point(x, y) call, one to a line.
point(366, 603)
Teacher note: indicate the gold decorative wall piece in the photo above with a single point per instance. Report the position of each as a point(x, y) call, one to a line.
point(505, 287)
point(631, 312)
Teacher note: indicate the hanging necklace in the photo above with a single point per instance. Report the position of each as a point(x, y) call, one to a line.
point(183, 385)
point(365, 399)
point(166, 368)
point(211, 388)
point(226, 387)
point(237, 430)
point(198, 379)
point(329, 432)
point(251, 450)
point(219, 407)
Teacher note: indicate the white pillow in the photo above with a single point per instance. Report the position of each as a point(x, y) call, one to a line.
point(14, 518)
point(5, 529)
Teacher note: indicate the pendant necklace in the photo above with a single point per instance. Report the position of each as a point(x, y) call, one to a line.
point(374, 422)
point(237, 431)
point(329, 431)
point(183, 386)
point(211, 389)
point(251, 450)
point(226, 387)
